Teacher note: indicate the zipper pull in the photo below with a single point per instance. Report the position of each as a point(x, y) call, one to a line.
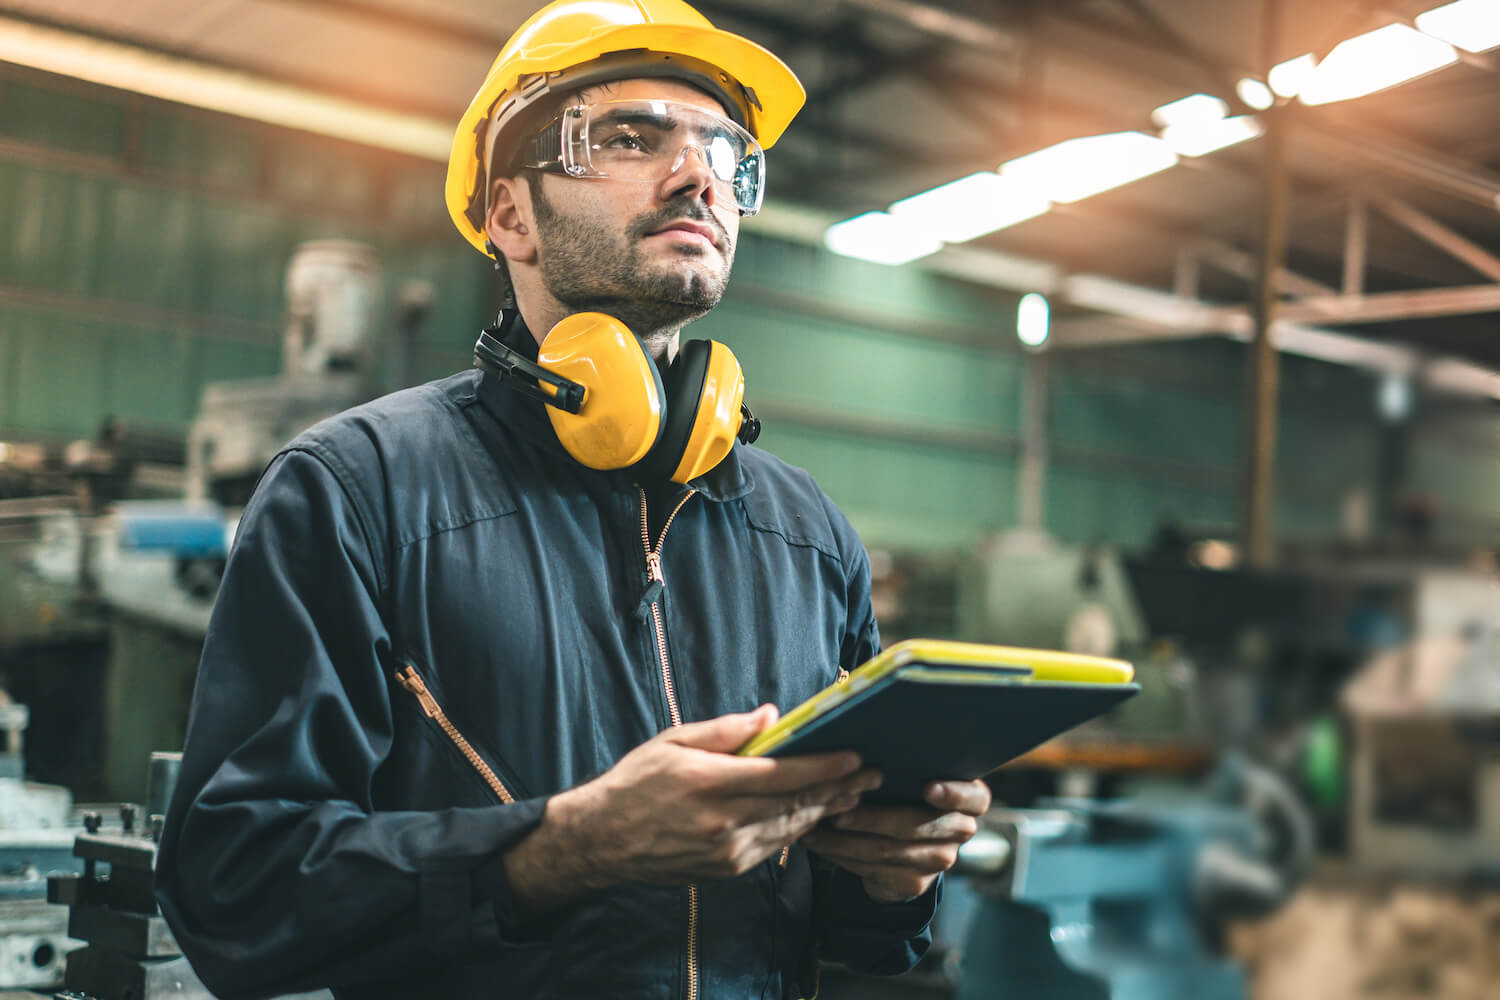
point(408, 678)
point(655, 585)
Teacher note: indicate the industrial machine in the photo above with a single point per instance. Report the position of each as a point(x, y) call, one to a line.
point(1026, 589)
point(1423, 717)
point(1124, 900)
point(333, 294)
point(36, 841)
point(128, 952)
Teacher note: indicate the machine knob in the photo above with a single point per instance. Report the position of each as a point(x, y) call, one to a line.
point(92, 821)
point(127, 817)
point(986, 853)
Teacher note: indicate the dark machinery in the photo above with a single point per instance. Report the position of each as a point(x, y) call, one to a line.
point(129, 952)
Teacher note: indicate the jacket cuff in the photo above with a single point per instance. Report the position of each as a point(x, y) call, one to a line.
point(491, 888)
point(881, 939)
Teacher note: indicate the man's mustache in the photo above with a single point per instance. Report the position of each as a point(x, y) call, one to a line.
point(677, 210)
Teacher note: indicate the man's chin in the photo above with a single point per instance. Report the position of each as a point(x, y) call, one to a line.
point(688, 285)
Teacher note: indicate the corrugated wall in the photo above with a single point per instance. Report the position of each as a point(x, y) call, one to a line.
point(142, 249)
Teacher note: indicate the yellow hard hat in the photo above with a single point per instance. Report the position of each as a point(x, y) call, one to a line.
point(570, 44)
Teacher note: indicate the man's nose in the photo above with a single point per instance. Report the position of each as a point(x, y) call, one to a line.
point(691, 175)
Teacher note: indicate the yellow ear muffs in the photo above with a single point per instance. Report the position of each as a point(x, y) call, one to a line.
point(621, 418)
point(705, 388)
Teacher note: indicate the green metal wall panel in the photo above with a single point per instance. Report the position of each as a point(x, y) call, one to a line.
point(62, 119)
point(1089, 503)
point(903, 495)
point(202, 150)
point(63, 374)
point(1116, 415)
point(814, 362)
point(52, 223)
point(1457, 462)
point(61, 377)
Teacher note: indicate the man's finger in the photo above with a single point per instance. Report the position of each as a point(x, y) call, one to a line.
point(725, 734)
point(859, 852)
point(767, 776)
point(908, 823)
point(792, 815)
point(972, 797)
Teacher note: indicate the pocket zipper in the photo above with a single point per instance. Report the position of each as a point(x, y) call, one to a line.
point(408, 678)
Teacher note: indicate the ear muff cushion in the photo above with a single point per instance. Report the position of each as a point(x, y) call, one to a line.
point(621, 419)
point(684, 391)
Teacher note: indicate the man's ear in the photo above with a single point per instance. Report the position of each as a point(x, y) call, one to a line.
point(510, 223)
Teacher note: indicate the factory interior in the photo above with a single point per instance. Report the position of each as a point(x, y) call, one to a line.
point(1149, 329)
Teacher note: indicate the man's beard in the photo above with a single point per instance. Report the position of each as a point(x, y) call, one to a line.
point(586, 269)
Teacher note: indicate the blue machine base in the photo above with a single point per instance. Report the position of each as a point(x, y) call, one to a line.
point(1010, 955)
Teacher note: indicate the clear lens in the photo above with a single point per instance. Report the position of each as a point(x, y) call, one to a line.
point(647, 140)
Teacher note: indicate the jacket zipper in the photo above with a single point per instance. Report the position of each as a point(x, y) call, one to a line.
point(408, 678)
point(653, 569)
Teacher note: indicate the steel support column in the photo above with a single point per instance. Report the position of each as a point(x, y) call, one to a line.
point(1262, 391)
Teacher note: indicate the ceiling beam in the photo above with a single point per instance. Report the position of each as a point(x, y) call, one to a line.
point(448, 31)
point(1384, 307)
point(1242, 265)
point(1438, 235)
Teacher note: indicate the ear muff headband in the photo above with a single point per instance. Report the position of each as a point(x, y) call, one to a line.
point(621, 418)
point(495, 356)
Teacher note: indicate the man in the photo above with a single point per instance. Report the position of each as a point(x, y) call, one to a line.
point(467, 708)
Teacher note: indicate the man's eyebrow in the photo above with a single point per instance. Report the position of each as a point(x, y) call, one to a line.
point(633, 117)
point(655, 119)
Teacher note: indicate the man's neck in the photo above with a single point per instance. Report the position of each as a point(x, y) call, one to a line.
point(541, 317)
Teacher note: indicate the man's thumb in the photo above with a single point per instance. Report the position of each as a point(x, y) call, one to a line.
point(727, 733)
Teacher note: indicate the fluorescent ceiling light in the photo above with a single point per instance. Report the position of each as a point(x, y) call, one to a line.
point(968, 208)
point(1472, 25)
point(1197, 140)
point(1374, 61)
point(1194, 110)
point(184, 81)
point(1254, 93)
point(1287, 79)
point(880, 238)
point(1077, 168)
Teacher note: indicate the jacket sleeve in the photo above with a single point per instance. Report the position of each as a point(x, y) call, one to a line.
point(867, 936)
point(275, 871)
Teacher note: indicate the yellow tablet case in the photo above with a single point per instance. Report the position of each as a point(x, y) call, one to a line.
point(928, 709)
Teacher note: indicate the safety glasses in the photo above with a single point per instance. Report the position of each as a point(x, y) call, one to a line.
point(648, 140)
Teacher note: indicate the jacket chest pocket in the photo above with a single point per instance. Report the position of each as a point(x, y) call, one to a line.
point(497, 779)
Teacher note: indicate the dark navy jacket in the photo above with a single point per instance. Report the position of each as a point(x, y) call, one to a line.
point(335, 826)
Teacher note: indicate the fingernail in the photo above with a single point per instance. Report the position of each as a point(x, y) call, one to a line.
point(938, 791)
point(850, 763)
point(872, 782)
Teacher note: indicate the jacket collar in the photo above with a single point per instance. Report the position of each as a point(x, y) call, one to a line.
point(516, 411)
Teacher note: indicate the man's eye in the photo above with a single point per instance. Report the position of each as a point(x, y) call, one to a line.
point(625, 140)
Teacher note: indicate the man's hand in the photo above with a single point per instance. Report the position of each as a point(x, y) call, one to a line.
point(898, 851)
point(681, 807)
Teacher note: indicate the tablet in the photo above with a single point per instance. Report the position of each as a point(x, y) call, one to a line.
point(927, 710)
